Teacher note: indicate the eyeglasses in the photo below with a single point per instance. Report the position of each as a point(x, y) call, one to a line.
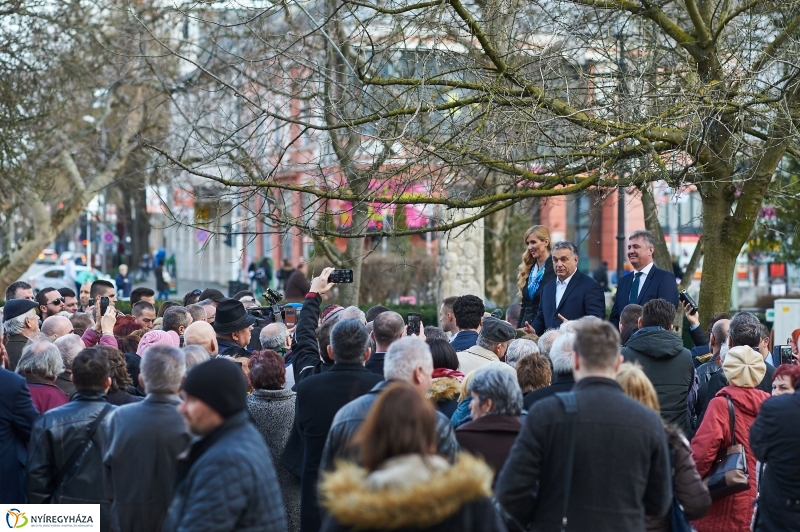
point(58, 301)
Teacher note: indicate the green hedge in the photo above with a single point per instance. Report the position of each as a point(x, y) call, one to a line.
point(429, 314)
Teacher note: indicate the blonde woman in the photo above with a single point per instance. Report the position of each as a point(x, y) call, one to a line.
point(535, 271)
point(687, 485)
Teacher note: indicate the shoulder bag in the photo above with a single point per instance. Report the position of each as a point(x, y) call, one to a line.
point(729, 473)
point(70, 462)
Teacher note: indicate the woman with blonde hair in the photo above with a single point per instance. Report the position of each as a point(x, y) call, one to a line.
point(535, 271)
point(687, 486)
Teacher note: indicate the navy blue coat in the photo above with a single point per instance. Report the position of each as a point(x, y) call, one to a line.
point(658, 284)
point(17, 415)
point(583, 297)
point(227, 483)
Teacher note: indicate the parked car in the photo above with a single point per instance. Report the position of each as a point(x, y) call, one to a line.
point(47, 256)
point(54, 276)
point(79, 258)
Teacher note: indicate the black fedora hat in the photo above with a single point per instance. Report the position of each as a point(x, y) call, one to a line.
point(231, 317)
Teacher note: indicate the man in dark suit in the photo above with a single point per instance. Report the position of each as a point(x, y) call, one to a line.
point(319, 397)
point(647, 281)
point(571, 295)
point(17, 415)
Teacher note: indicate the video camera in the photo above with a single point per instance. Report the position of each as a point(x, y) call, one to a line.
point(267, 314)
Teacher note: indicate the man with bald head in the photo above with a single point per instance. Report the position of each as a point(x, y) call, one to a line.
point(56, 326)
point(387, 328)
point(202, 333)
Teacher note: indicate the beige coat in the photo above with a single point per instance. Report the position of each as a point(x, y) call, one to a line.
point(474, 357)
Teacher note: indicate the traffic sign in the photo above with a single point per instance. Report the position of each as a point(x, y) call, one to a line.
point(108, 237)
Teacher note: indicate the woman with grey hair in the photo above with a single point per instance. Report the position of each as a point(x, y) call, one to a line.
point(41, 364)
point(519, 348)
point(495, 407)
point(562, 357)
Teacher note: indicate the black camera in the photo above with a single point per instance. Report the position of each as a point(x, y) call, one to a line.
point(271, 312)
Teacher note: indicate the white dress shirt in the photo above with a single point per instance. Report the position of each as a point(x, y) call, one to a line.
point(642, 278)
point(561, 287)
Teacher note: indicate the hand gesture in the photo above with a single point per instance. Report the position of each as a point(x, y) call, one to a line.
point(528, 328)
point(693, 319)
point(108, 321)
point(421, 334)
point(320, 284)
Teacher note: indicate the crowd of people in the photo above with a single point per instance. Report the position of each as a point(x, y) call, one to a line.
point(200, 415)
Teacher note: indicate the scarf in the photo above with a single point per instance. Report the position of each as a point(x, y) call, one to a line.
point(534, 279)
point(445, 372)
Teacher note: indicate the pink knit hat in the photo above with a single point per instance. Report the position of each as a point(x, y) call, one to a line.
point(156, 337)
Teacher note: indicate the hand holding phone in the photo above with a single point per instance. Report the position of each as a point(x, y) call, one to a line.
point(414, 320)
point(686, 298)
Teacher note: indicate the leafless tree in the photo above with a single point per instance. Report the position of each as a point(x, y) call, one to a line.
point(479, 105)
point(79, 87)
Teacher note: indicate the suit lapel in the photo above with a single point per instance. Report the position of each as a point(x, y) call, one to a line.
point(570, 287)
point(647, 283)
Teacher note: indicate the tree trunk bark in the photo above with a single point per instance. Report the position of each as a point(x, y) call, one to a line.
point(720, 251)
point(661, 256)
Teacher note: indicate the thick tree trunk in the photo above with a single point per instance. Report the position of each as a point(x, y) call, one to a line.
point(721, 248)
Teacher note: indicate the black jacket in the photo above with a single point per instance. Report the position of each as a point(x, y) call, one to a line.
point(305, 363)
point(319, 397)
point(773, 438)
point(562, 382)
point(14, 346)
point(350, 417)
point(621, 463)
point(56, 434)
point(144, 437)
point(669, 367)
point(375, 363)
point(531, 306)
point(17, 415)
point(226, 483)
point(718, 381)
point(231, 349)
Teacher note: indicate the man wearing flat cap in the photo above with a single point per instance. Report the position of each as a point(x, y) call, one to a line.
point(234, 327)
point(20, 322)
point(225, 479)
point(491, 345)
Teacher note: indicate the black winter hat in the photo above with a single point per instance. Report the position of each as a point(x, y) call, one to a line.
point(231, 317)
point(220, 384)
point(17, 307)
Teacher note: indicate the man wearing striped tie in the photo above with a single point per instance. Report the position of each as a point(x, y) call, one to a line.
point(647, 281)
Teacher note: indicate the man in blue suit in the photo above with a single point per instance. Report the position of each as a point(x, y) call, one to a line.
point(571, 295)
point(647, 281)
point(17, 415)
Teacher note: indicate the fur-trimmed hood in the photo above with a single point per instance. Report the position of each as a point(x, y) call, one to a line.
point(407, 492)
point(444, 389)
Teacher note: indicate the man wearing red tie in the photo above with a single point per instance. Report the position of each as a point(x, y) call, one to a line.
point(647, 281)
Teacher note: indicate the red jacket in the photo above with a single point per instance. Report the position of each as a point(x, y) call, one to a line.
point(734, 512)
point(44, 393)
